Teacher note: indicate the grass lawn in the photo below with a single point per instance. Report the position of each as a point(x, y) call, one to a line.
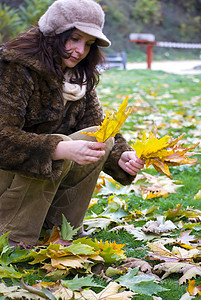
point(173, 104)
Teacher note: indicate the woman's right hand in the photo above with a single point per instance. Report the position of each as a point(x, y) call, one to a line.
point(79, 151)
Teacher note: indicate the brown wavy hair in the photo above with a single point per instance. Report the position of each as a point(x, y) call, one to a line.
point(51, 49)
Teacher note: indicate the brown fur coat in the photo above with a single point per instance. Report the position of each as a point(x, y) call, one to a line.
point(32, 108)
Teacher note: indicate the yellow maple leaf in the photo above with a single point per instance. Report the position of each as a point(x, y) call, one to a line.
point(72, 261)
point(111, 124)
point(108, 248)
point(192, 289)
point(163, 152)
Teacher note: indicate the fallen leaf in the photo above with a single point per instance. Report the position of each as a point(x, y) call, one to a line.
point(142, 284)
point(63, 293)
point(192, 289)
point(186, 240)
point(159, 252)
point(109, 293)
point(159, 226)
point(186, 296)
point(186, 254)
point(132, 263)
point(111, 251)
point(101, 182)
point(140, 235)
point(188, 270)
point(77, 283)
point(69, 262)
point(150, 186)
point(189, 213)
point(93, 202)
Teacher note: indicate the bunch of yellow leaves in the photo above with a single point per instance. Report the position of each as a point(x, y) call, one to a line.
point(111, 124)
point(163, 152)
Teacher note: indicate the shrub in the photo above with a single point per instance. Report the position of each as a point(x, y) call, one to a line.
point(10, 23)
point(33, 10)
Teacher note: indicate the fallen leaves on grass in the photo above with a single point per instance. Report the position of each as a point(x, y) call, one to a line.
point(188, 270)
point(178, 213)
point(83, 253)
point(132, 262)
point(142, 284)
point(159, 226)
point(153, 186)
point(178, 260)
point(60, 290)
point(186, 240)
point(111, 251)
point(111, 292)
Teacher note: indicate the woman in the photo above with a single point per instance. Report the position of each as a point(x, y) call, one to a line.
point(48, 167)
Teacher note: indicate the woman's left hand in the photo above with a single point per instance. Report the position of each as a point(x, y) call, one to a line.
point(130, 162)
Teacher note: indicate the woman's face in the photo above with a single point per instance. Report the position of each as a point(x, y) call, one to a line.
point(78, 45)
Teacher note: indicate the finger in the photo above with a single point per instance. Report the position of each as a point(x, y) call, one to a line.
point(99, 153)
point(138, 163)
point(91, 159)
point(91, 146)
point(95, 153)
point(135, 169)
point(131, 171)
point(97, 146)
point(134, 157)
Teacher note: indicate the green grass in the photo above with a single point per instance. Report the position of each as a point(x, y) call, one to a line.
point(173, 102)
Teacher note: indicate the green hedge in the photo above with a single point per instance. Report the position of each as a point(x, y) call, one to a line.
point(13, 21)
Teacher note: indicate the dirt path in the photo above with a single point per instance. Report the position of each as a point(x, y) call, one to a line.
point(176, 67)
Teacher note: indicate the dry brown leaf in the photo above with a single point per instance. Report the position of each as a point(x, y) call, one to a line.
point(132, 263)
point(63, 293)
point(159, 226)
point(186, 254)
point(189, 270)
point(152, 186)
point(109, 293)
point(186, 239)
point(159, 252)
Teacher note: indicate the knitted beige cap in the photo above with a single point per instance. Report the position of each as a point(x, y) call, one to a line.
point(85, 15)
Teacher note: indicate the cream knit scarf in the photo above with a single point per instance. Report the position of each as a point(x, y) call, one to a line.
point(72, 91)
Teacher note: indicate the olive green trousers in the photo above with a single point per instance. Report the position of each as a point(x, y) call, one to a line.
point(26, 203)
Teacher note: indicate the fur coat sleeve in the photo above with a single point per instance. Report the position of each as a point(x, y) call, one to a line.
point(26, 152)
